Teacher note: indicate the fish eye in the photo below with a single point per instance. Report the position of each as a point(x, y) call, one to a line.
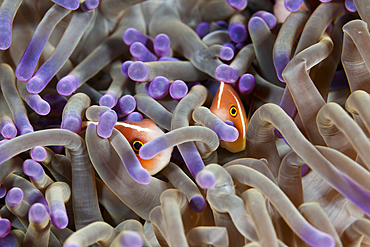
point(233, 111)
point(136, 145)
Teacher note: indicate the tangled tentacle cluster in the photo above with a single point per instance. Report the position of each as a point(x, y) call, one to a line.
point(184, 123)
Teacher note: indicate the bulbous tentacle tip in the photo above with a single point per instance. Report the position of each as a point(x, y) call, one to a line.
point(72, 244)
point(67, 85)
point(141, 176)
point(131, 239)
point(38, 213)
point(14, 197)
point(198, 204)
point(59, 219)
point(226, 53)
point(178, 89)
point(5, 227)
point(2, 190)
point(106, 124)
point(35, 85)
point(226, 73)
point(68, 4)
point(89, 5)
point(237, 4)
point(9, 131)
point(5, 40)
point(293, 5)
point(206, 179)
point(238, 32)
point(138, 71)
point(246, 83)
point(350, 6)
point(108, 101)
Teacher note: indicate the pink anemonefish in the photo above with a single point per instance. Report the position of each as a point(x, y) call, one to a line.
point(228, 107)
point(139, 133)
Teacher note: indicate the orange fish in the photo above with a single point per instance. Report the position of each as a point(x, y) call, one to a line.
point(139, 133)
point(228, 107)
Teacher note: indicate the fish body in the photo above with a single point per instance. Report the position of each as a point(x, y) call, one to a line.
point(139, 133)
point(228, 107)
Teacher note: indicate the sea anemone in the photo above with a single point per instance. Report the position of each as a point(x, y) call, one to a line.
point(184, 123)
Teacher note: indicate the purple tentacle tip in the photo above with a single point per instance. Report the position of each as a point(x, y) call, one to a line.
point(158, 87)
point(318, 238)
point(126, 105)
point(133, 116)
point(280, 62)
point(124, 67)
point(5, 31)
point(148, 150)
point(226, 73)
point(72, 123)
point(67, 85)
point(202, 29)
point(128, 35)
point(141, 53)
point(198, 204)
point(226, 53)
point(256, 23)
point(269, 18)
point(132, 35)
point(8, 130)
point(37, 213)
point(68, 4)
point(293, 5)
point(5, 227)
point(206, 180)
point(162, 45)
point(89, 5)
point(22, 72)
point(38, 153)
point(246, 83)
point(109, 100)
point(139, 174)
point(237, 4)
point(106, 124)
point(238, 32)
point(178, 89)
point(226, 132)
point(35, 85)
point(350, 5)
point(138, 71)
point(131, 239)
point(59, 218)
point(2, 190)
point(14, 197)
point(8, 241)
point(39, 105)
point(32, 169)
point(72, 244)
